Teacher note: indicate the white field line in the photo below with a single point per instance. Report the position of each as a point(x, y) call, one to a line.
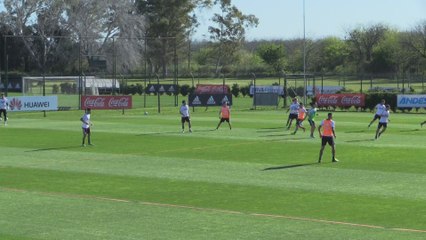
point(89, 197)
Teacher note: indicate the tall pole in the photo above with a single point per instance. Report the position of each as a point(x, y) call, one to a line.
point(304, 56)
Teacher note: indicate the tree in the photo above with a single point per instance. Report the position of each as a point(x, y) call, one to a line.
point(108, 28)
point(229, 33)
point(273, 55)
point(168, 25)
point(414, 43)
point(59, 25)
point(362, 42)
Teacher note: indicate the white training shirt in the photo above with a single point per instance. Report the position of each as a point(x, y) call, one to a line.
point(4, 103)
point(294, 108)
point(184, 110)
point(380, 108)
point(384, 117)
point(86, 120)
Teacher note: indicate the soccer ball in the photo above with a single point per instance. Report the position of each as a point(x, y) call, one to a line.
point(146, 113)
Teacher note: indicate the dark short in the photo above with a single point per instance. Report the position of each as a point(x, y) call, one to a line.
point(224, 120)
point(4, 112)
point(86, 130)
point(384, 125)
point(292, 116)
point(185, 119)
point(311, 122)
point(327, 139)
point(299, 122)
point(376, 116)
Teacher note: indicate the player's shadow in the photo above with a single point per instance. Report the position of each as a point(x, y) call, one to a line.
point(410, 130)
point(289, 166)
point(53, 149)
point(361, 140)
point(359, 131)
point(269, 129)
point(174, 132)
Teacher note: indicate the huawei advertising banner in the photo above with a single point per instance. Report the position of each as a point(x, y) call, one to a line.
point(33, 103)
point(409, 101)
point(340, 100)
point(106, 102)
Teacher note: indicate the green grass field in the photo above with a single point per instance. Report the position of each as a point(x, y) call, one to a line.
point(144, 179)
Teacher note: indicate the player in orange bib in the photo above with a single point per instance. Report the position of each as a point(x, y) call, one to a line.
point(225, 115)
point(327, 136)
point(301, 116)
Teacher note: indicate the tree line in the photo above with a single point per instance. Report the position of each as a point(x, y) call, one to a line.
point(155, 37)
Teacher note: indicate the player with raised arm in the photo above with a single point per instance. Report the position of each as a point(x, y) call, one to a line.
point(380, 107)
point(301, 115)
point(327, 136)
point(294, 111)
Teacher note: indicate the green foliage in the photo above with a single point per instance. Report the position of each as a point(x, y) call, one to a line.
point(235, 89)
point(273, 55)
point(184, 90)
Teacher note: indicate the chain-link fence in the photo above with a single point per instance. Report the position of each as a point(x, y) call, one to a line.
point(155, 71)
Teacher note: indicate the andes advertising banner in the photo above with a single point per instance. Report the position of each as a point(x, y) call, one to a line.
point(162, 88)
point(106, 102)
point(407, 101)
point(196, 100)
point(340, 100)
point(33, 103)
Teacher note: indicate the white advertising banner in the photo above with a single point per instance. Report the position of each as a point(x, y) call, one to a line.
point(267, 89)
point(323, 90)
point(407, 101)
point(33, 103)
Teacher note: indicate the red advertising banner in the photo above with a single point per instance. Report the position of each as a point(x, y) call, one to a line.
point(340, 100)
point(211, 89)
point(106, 102)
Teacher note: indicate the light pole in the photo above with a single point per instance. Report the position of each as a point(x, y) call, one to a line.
point(304, 56)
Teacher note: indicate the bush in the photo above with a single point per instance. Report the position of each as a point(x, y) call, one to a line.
point(184, 90)
point(235, 90)
point(245, 90)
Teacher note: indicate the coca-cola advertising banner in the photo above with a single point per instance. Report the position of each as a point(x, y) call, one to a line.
point(106, 102)
point(340, 100)
point(212, 89)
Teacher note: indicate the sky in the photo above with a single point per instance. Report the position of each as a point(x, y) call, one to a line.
point(283, 19)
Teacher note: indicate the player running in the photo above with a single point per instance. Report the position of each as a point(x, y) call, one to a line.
point(184, 112)
point(380, 107)
point(301, 115)
point(224, 115)
point(312, 112)
point(327, 136)
point(294, 112)
point(383, 122)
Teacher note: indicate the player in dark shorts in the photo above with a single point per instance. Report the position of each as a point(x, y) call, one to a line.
point(184, 112)
point(327, 136)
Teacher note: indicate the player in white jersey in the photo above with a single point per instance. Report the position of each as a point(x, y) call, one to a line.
point(294, 112)
point(85, 119)
point(4, 105)
point(380, 107)
point(184, 112)
point(383, 122)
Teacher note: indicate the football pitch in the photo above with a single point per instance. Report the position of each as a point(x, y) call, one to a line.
point(145, 179)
